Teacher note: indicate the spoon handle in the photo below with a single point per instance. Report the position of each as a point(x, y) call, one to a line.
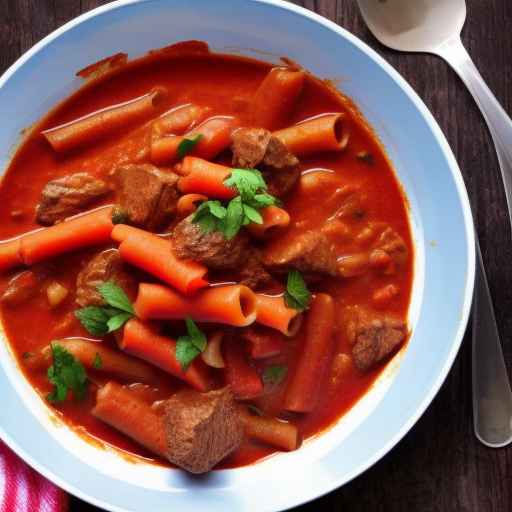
point(499, 123)
point(492, 397)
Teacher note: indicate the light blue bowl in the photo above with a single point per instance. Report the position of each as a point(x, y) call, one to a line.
point(440, 216)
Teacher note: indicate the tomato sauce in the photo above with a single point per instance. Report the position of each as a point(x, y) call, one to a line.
point(225, 84)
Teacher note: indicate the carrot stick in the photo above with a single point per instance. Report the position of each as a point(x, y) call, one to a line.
point(124, 411)
point(272, 311)
point(231, 305)
point(215, 136)
point(187, 204)
point(179, 120)
point(324, 133)
point(203, 177)
point(141, 340)
point(302, 392)
point(10, 255)
point(88, 229)
point(272, 431)
point(275, 220)
point(155, 255)
point(263, 342)
point(104, 122)
point(276, 97)
point(89, 352)
point(243, 379)
point(165, 150)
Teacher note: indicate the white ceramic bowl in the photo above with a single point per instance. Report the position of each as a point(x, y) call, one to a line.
point(440, 216)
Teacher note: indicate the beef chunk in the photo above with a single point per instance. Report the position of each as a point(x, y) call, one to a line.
point(68, 196)
point(105, 266)
point(258, 148)
point(392, 243)
point(253, 273)
point(311, 251)
point(147, 196)
point(212, 249)
point(201, 428)
point(377, 340)
point(21, 287)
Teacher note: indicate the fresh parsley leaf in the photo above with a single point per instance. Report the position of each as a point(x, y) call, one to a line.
point(117, 321)
point(187, 145)
point(100, 320)
point(114, 296)
point(255, 410)
point(94, 319)
point(97, 363)
point(234, 218)
point(208, 215)
point(274, 374)
point(247, 182)
point(185, 352)
point(263, 200)
point(297, 296)
point(190, 346)
point(252, 215)
point(197, 337)
point(66, 374)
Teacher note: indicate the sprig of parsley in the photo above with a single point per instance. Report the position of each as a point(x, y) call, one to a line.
point(189, 346)
point(241, 210)
point(66, 374)
point(297, 296)
point(187, 145)
point(101, 320)
point(275, 374)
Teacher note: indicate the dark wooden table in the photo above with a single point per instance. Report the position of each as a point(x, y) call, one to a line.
point(439, 466)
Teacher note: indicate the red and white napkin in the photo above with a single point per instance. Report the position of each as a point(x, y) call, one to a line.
point(24, 490)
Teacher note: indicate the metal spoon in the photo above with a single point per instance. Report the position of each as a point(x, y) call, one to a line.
point(434, 26)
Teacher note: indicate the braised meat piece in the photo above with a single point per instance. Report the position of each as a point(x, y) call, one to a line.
point(311, 251)
point(258, 148)
point(212, 249)
point(147, 196)
point(392, 243)
point(253, 273)
point(21, 287)
point(377, 340)
point(68, 196)
point(105, 266)
point(201, 428)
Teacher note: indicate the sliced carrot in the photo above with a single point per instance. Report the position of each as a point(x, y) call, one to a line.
point(165, 149)
point(243, 379)
point(280, 434)
point(104, 122)
point(324, 133)
point(203, 177)
point(179, 120)
point(140, 339)
point(10, 255)
point(126, 412)
point(231, 305)
point(88, 229)
point(188, 204)
point(304, 387)
point(89, 352)
point(272, 311)
point(275, 219)
point(215, 136)
point(275, 97)
point(155, 255)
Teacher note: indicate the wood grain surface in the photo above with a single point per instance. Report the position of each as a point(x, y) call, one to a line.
point(439, 465)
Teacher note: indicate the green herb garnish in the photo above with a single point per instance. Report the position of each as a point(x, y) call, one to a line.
point(297, 296)
point(189, 346)
point(274, 374)
point(241, 210)
point(100, 320)
point(97, 364)
point(187, 145)
point(66, 374)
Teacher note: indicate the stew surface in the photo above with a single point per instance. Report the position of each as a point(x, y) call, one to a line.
point(308, 261)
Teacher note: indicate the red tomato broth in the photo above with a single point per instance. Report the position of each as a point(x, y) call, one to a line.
point(231, 82)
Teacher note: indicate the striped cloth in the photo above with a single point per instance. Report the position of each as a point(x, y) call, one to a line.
point(24, 490)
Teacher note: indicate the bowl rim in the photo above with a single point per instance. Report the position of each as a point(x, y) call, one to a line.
point(460, 189)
